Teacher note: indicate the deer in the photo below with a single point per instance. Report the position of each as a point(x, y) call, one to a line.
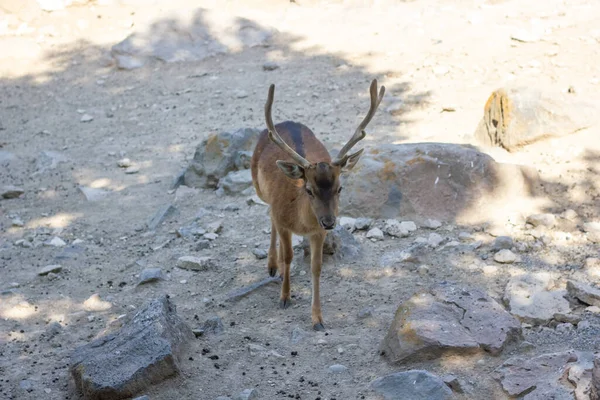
point(294, 174)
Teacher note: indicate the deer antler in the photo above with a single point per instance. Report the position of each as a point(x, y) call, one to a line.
point(360, 133)
point(274, 135)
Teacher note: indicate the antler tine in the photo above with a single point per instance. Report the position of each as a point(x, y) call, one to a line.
point(274, 135)
point(360, 133)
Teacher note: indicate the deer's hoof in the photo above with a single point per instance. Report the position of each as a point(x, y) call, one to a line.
point(319, 327)
point(285, 303)
point(272, 271)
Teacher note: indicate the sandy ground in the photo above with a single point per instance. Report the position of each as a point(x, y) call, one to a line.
point(431, 55)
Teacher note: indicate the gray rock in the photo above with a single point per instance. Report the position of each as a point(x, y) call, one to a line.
point(270, 66)
point(530, 298)
point(595, 383)
point(49, 268)
point(145, 351)
point(394, 228)
point(410, 254)
point(502, 243)
point(365, 313)
point(124, 163)
point(348, 223)
point(592, 230)
point(298, 335)
point(339, 243)
point(202, 244)
point(580, 374)
point(449, 319)
point(220, 154)
point(86, 118)
point(432, 181)
point(213, 325)
point(236, 182)
point(196, 263)
point(409, 225)
point(505, 257)
point(149, 275)
point(248, 394)
point(547, 220)
point(26, 385)
point(432, 224)
point(413, 385)
point(160, 216)
point(363, 224)
point(375, 234)
point(585, 293)
point(337, 369)
point(260, 254)
point(454, 383)
point(10, 192)
point(18, 222)
point(55, 242)
point(93, 194)
point(536, 377)
point(434, 239)
point(191, 230)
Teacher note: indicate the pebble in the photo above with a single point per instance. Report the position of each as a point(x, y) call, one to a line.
point(124, 163)
point(86, 118)
point(49, 268)
point(26, 385)
point(298, 334)
point(569, 214)
point(260, 254)
point(134, 169)
point(93, 194)
point(502, 242)
point(241, 94)
point(55, 242)
point(423, 270)
point(18, 223)
point(248, 394)
point(592, 230)
point(196, 263)
point(270, 66)
point(434, 240)
point(363, 224)
point(375, 234)
point(365, 313)
point(394, 228)
point(409, 225)
point(348, 223)
point(547, 220)
point(432, 224)
point(583, 325)
point(213, 325)
point(505, 256)
point(150, 275)
point(210, 236)
point(337, 369)
point(10, 192)
point(214, 227)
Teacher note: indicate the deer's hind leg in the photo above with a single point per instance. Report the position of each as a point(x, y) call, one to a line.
point(272, 260)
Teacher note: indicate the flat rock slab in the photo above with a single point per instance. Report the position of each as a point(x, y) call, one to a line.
point(585, 293)
point(448, 319)
point(10, 192)
point(532, 298)
point(145, 351)
point(413, 385)
point(537, 377)
point(447, 182)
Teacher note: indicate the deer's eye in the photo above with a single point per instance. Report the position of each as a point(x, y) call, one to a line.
point(309, 192)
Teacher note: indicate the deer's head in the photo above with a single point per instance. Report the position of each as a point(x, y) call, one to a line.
point(321, 180)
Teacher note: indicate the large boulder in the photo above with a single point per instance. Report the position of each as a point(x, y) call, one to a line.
point(448, 319)
point(447, 182)
point(145, 351)
point(185, 36)
point(518, 116)
point(220, 154)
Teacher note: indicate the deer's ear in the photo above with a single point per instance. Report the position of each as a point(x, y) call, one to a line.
point(291, 170)
point(348, 162)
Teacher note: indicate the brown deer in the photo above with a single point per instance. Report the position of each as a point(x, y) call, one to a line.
point(292, 171)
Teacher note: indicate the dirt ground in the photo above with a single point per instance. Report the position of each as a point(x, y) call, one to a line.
point(431, 55)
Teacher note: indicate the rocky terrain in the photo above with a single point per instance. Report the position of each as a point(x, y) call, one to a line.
point(133, 248)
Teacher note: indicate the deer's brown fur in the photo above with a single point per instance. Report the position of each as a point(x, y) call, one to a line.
point(293, 172)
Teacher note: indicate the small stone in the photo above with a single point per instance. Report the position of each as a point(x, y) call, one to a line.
point(240, 94)
point(409, 225)
point(95, 303)
point(363, 224)
point(26, 385)
point(93, 194)
point(585, 293)
point(394, 228)
point(196, 263)
point(348, 223)
point(337, 369)
point(134, 169)
point(502, 242)
point(202, 245)
point(86, 118)
point(213, 325)
point(569, 214)
point(210, 236)
point(434, 240)
point(432, 224)
point(592, 230)
point(124, 163)
point(564, 327)
point(52, 276)
point(298, 334)
point(214, 227)
point(248, 394)
point(593, 309)
point(149, 275)
point(423, 270)
point(547, 220)
point(256, 349)
point(505, 257)
point(55, 242)
point(375, 234)
point(49, 268)
point(10, 192)
point(365, 313)
point(583, 325)
point(465, 237)
point(568, 318)
point(270, 66)
point(260, 254)
point(17, 222)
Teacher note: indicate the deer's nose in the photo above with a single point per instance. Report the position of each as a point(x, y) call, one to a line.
point(327, 222)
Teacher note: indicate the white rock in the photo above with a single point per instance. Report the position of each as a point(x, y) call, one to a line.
point(86, 118)
point(375, 234)
point(506, 256)
point(124, 163)
point(434, 239)
point(55, 242)
point(348, 223)
point(432, 224)
point(95, 303)
point(195, 263)
point(394, 228)
point(592, 230)
point(409, 225)
point(547, 220)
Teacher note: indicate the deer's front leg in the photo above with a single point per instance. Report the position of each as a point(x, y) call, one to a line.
point(286, 253)
point(316, 261)
point(272, 264)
